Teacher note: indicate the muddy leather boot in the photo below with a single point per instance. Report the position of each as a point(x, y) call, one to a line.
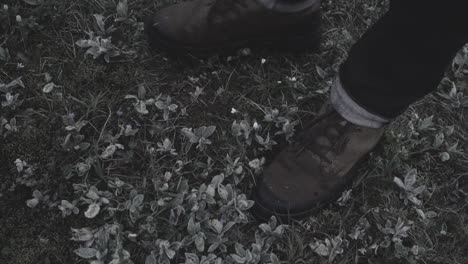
point(315, 170)
point(202, 26)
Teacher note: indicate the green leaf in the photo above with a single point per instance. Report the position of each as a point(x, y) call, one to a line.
point(129, 131)
point(265, 228)
point(208, 131)
point(66, 204)
point(166, 115)
point(100, 23)
point(238, 259)
point(140, 107)
point(187, 132)
point(245, 204)
point(141, 91)
point(92, 195)
point(169, 253)
point(213, 247)
point(131, 96)
point(37, 194)
point(419, 190)
point(217, 180)
point(83, 234)
point(84, 145)
point(410, 177)
point(431, 214)
point(401, 251)
point(49, 87)
point(193, 227)
point(421, 213)
point(160, 105)
point(138, 200)
point(426, 123)
point(32, 202)
point(200, 242)
point(86, 43)
point(109, 151)
point(439, 140)
point(191, 258)
point(34, 2)
point(239, 249)
point(444, 156)
point(86, 253)
point(415, 200)
point(94, 51)
point(93, 210)
point(151, 259)
point(4, 56)
point(399, 183)
point(321, 72)
point(453, 148)
point(172, 107)
point(320, 249)
point(122, 8)
point(216, 225)
point(274, 259)
point(228, 226)
point(273, 222)
point(223, 193)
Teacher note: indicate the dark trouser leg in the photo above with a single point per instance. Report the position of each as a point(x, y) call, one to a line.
point(404, 56)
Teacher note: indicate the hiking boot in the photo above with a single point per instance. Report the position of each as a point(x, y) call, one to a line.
point(216, 25)
point(315, 170)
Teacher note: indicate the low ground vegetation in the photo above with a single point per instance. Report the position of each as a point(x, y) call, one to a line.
point(110, 153)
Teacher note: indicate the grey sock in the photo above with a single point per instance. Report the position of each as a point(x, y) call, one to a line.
point(290, 5)
point(351, 110)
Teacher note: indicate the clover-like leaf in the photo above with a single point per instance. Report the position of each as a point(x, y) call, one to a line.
point(187, 132)
point(122, 8)
point(109, 151)
point(32, 202)
point(83, 234)
point(86, 253)
point(199, 240)
point(151, 259)
point(93, 210)
point(205, 132)
point(216, 225)
point(100, 22)
point(84, 43)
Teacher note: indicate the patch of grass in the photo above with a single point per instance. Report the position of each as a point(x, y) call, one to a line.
point(139, 178)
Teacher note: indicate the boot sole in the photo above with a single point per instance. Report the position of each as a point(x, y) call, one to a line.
point(263, 213)
point(305, 38)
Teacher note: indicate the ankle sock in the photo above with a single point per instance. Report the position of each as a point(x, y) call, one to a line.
point(351, 110)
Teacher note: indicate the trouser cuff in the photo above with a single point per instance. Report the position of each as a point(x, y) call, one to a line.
point(351, 110)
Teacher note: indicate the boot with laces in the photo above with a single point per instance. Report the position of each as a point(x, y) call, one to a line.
point(216, 25)
point(314, 170)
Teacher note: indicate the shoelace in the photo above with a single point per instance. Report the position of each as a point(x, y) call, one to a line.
point(333, 134)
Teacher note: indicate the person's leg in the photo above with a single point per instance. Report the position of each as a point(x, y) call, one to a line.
point(400, 59)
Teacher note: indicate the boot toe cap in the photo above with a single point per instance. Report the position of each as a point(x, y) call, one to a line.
point(160, 30)
point(267, 204)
